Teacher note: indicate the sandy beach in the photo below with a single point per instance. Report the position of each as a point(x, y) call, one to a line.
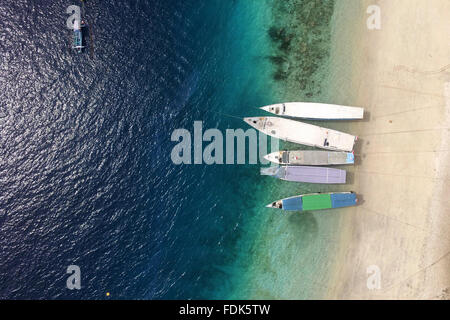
point(400, 74)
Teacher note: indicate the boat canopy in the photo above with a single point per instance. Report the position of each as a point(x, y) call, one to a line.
point(317, 201)
point(293, 204)
point(306, 174)
point(339, 200)
point(77, 39)
point(77, 36)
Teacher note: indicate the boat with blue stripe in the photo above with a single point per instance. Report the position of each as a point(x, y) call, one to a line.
point(316, 201)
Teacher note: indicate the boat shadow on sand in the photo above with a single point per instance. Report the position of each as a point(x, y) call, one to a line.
point(360, 198)
point(349, 177)
point(358, 151)
point(367, 116)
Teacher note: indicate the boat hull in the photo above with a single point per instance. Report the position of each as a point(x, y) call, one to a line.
point(78, 36)
point(315, 111)
point(316, 201)
point(306, 174)
point(303, 133)
point(311, 158)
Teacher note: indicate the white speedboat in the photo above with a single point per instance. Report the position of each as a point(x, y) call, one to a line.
point(315, 111)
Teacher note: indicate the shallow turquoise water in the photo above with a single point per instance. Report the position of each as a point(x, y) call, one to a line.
point(276, 255)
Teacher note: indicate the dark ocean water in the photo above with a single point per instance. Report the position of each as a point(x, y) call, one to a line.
point(85, 170)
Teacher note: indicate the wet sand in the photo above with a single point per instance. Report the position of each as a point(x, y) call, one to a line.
point(400, 74)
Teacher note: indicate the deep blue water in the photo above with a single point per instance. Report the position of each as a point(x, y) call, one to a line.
point(85, 170)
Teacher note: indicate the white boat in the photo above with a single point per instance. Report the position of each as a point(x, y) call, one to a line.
point(315, 111)
point(311, 157)
point(303, 133)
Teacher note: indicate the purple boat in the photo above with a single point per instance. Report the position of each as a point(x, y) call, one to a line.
point(306, 174)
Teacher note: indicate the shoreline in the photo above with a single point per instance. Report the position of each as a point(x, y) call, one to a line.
point(398, 74)
point(285, 251)
point(327, 254)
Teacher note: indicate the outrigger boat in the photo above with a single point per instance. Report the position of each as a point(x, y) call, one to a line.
point(306, 174)
point(316, 201)
point(303, 133)
point(78, 36)
point(311, 158)
point(315, 111)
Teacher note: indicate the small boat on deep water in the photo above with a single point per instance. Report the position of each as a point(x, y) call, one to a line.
point(78, 36)
point(306, 174)
point(315, 111)
point(303, 133)
point(316, 201)
point(311, 157)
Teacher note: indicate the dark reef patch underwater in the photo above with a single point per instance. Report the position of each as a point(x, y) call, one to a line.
point(301, 36)
point(85, 172)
